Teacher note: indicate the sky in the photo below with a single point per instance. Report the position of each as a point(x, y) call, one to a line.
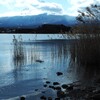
point(35, 7)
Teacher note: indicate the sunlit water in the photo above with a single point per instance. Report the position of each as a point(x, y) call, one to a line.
point(29, 74)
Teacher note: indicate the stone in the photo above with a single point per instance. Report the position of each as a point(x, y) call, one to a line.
point(58, 88)
point(52, 87)
point(40, 61)
point(61, 94)
point(57, 98)
point(49, 98)
point(22, 98)
point(59, 73)
point(45, 85)
point(43, 98)
point(36, 89)
point(48, 82)
point(64, 86)
point(55, 83)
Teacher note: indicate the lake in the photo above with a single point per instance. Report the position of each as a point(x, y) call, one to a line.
point(28, 76)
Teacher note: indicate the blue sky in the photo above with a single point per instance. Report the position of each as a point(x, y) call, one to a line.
point(34, 7)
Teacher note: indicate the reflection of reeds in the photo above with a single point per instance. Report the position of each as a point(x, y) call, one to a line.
point(86, 53)
point(18, 50)
point(59, 52)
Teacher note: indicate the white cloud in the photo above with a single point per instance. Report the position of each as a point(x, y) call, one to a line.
point(51, 7)
point(29, 7)
point(77, 4)
point(33, 7)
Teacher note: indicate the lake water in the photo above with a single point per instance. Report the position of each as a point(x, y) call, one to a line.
point(23, 77)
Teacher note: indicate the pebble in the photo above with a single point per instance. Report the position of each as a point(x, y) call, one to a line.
point(45, 85)
point(43, 97)
point(59, 73)
point(61, 94)
point(64, 86)
point(49, 98)
point(22, 98)
point(55, 83)
point(48, 82)
point(52, 87)
point(58, 88)
point(36, 89)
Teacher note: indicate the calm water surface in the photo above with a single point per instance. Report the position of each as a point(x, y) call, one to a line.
point(56, 57)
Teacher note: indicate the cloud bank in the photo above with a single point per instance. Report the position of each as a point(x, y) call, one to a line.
point(29, 7)
point(34, 7)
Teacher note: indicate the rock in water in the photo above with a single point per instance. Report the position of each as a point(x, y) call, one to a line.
point(48, 82)
point(64, 86)
point(52, 87)
point(59, 73)
point(22, 98)
point(55, 83)
point(40, 61)
point(45, 85)
point(57, 98)
point(58, 88)
point(61, 94)
point(43, 98)
point(49, 98)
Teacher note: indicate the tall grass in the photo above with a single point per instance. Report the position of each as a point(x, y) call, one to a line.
point(18, 51)
point(86, 52)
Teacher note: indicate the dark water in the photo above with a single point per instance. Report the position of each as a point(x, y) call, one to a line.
point(26, 74)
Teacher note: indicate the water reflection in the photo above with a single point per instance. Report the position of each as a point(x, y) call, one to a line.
point(55, 57)
point(83, 58)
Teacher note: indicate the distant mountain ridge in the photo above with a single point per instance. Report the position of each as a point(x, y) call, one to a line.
point(35, 21)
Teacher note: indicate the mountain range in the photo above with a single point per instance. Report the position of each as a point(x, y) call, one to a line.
point(35, 21)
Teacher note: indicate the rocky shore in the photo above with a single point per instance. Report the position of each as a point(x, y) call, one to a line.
point(73, 91)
